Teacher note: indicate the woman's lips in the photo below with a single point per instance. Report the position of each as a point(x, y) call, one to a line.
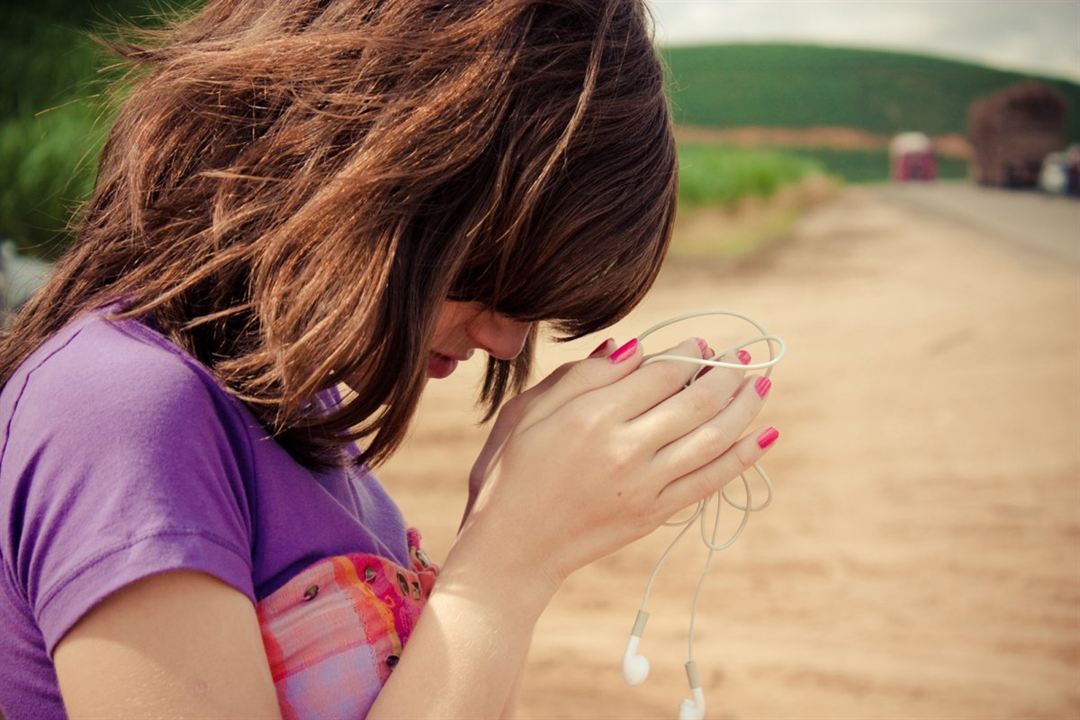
point(440, 366)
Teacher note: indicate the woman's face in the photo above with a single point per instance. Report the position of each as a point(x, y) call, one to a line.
point(465, 326)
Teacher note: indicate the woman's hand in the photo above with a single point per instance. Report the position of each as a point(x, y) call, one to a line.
point(509, 415)
point(604, 454)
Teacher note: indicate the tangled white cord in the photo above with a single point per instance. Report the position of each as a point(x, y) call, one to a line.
point(636, 667)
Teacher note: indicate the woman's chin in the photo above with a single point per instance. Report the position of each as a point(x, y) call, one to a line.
point(440, 366)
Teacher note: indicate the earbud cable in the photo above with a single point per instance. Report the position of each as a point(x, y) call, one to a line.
point(705, 570)
point(721, 496)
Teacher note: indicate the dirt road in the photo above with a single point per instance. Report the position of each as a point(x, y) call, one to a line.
point(921, 558)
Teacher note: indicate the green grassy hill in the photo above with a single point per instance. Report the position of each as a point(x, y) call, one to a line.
point(805, 85)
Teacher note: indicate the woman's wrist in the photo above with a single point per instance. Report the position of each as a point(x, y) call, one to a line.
point(472, 637)
point(484, 564)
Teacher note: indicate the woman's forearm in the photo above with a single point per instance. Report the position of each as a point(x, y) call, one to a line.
point(466, 651)
point(510, 711)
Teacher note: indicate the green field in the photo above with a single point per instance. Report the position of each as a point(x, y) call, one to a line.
point(804, 85)
point(721, 175)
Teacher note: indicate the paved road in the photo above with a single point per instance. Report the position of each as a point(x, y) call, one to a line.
point(1032, 220)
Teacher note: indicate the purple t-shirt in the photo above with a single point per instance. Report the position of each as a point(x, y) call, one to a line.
point(121, 456)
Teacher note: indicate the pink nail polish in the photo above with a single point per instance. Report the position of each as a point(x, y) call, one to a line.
point(702, 346)
point(762, 386)
point(624, 352)
point(744, 357)
point(767, 438)
point(600, 348)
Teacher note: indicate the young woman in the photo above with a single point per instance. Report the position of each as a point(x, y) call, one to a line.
point(304, 211)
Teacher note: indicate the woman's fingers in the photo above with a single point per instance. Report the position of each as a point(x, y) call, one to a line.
point(522, 402)
point(706, 443)
point(690, 408)
point(514, 409)
point(583, 377)
point(711, 478)
point(602, 350)
point(651, 384)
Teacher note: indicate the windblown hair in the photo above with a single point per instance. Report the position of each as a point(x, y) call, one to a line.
point(292, 189)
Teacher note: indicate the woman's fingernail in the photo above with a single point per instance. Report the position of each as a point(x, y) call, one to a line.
point(762, 386)
point(624, 352)
point(702, 346)
point(601, 348)
point(744, 357)
point(767, 438)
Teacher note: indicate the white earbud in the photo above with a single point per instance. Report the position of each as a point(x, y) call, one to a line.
point(635, 668)
point(693, 709)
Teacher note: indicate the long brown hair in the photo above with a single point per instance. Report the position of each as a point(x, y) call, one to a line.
point(292, 189)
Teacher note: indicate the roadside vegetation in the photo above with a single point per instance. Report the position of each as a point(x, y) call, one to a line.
point(723, 175)
point(54, 118)
point(48, 140)
point(734, 200)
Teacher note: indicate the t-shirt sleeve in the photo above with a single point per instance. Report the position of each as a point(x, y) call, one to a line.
point(115, 469)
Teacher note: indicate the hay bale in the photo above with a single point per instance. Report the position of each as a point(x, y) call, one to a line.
point(1012, 130)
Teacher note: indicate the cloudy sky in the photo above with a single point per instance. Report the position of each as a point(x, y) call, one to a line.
point(1039, 35)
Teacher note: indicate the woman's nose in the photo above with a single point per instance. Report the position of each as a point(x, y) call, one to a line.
point(500, 336)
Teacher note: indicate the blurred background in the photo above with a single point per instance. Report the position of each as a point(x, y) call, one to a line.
point(771, 98)
point(892, 188)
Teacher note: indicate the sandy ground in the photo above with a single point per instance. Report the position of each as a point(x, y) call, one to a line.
point(921, 558)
